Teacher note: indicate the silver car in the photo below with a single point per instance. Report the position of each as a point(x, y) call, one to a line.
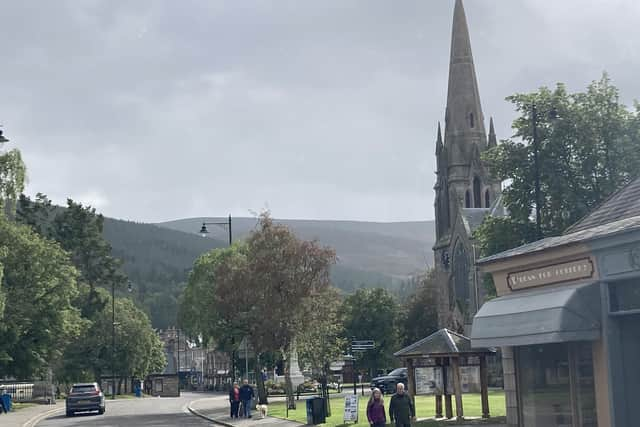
point(85, 397)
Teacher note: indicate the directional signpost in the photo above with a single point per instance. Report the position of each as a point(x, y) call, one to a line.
point(359, 346)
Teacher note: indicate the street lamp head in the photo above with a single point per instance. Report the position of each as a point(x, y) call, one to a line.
point(129, 286)
point(203, 230)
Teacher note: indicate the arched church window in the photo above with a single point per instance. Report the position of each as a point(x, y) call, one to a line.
point(460, 266)
point(487, 199)
point(467, 199)
point(477, 193)
point(471, 122)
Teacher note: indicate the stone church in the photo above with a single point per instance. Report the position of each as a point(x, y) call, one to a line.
point(464, 191)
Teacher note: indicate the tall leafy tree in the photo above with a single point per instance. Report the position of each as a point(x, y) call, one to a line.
point(421, 317)
point(589, 145)
point(259, 290)
point(13, 175)
point(374, 314)
point(39, 284)
point(321, 340)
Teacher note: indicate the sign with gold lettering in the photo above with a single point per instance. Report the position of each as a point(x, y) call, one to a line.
point(549, 275)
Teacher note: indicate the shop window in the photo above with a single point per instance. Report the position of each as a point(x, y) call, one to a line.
point(555, 384)
point(624, 296)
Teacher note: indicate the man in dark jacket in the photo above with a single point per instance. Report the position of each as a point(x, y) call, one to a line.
point(246, 394)
point(401, 408)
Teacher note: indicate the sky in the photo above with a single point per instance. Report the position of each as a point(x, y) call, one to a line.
point(157, 110)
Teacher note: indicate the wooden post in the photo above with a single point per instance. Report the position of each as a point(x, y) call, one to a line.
point(484, 386)
point(448, 408)
point(438, 406)
point(457, 387)
point(411, 383)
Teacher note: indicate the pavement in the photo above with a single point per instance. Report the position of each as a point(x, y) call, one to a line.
point(25, 417)
point(216, 410)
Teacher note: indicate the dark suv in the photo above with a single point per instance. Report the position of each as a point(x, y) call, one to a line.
point(85, 397)
point(387, 383)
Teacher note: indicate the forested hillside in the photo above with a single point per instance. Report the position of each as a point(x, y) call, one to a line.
point(157, 258)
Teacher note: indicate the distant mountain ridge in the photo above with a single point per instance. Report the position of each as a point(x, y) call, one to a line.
point(158, 257)
point(395, 249)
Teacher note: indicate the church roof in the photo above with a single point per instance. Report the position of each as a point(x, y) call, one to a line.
point(440, 342)
point(473, 217)
point(624, 203)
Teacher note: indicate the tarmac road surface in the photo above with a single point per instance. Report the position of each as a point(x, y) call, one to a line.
point(146, 412)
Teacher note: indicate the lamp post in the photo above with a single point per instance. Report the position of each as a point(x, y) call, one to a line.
point(552, 114)
point(113, 336)
point(2, 138)
point(203, 233)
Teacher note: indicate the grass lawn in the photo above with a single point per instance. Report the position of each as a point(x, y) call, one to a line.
point(16, 406)
point(425, 408)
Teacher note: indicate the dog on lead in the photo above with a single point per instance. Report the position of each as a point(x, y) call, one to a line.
point(263, 409)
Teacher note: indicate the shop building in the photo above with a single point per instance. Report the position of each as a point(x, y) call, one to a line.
point(567, 318)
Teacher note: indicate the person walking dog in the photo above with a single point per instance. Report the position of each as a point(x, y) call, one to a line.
point(246, 395)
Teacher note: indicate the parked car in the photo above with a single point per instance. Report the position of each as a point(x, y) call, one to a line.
point(387, 383)
point(85, 397)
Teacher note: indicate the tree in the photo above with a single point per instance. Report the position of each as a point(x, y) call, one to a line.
point(322, 339)
point(373, 314)
point(421, 318)
point(39, 284)
point(259, 290)
point(589, 145)
point(13, 175)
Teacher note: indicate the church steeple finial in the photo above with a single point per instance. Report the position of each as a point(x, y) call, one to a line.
point(464, 112)
point(492, 135)
point(439, 144)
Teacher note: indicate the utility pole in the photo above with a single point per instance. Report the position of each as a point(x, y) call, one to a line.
point(113, 340)
point(536, 166)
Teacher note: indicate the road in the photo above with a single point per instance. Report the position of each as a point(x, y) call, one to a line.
point(151, 411)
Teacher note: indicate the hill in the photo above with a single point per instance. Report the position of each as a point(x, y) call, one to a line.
point(397, 249)
point(158, 257)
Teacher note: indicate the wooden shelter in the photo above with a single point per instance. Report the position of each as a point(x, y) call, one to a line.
point(441, 355)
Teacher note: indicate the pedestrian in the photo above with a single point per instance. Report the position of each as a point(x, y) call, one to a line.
point(234, 400)
point(246, 394)
point(401, 408)
point(3, 408)
point(375, 409)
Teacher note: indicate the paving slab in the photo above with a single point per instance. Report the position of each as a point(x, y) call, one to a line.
point(216, 410)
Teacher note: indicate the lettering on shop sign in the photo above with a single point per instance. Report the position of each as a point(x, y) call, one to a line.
point(548, 275)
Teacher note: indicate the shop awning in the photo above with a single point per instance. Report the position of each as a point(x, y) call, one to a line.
point(541, 316)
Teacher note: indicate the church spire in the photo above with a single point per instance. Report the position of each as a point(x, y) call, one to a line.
point(464, 118)
point(492, 135)
point(439, 144)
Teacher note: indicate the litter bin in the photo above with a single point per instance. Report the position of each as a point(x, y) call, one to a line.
point(315, 411)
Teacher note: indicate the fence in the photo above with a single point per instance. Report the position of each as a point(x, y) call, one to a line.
point(35, 391)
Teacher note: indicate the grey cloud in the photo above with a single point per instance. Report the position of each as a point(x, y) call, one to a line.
point(327, 109)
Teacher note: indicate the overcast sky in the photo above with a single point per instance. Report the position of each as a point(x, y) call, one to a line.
point(157, 110)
